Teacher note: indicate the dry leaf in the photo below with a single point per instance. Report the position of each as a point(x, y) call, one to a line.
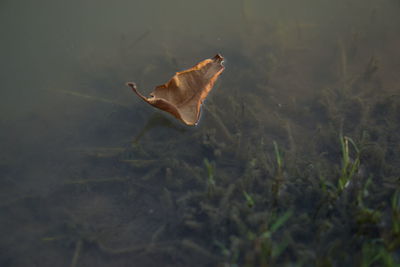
point(183, 95)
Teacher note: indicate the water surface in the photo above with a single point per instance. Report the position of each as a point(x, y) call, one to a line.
point(294, 162)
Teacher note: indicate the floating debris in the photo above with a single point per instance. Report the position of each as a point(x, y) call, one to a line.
point(183, 95)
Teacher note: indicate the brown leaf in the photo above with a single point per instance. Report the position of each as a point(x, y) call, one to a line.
point(183, 95)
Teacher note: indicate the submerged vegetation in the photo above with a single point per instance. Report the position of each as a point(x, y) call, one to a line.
point(295, 162)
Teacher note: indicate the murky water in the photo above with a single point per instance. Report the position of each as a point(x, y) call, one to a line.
point(295, 161)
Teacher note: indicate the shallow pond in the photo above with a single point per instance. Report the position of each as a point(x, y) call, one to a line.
point(295, 160)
